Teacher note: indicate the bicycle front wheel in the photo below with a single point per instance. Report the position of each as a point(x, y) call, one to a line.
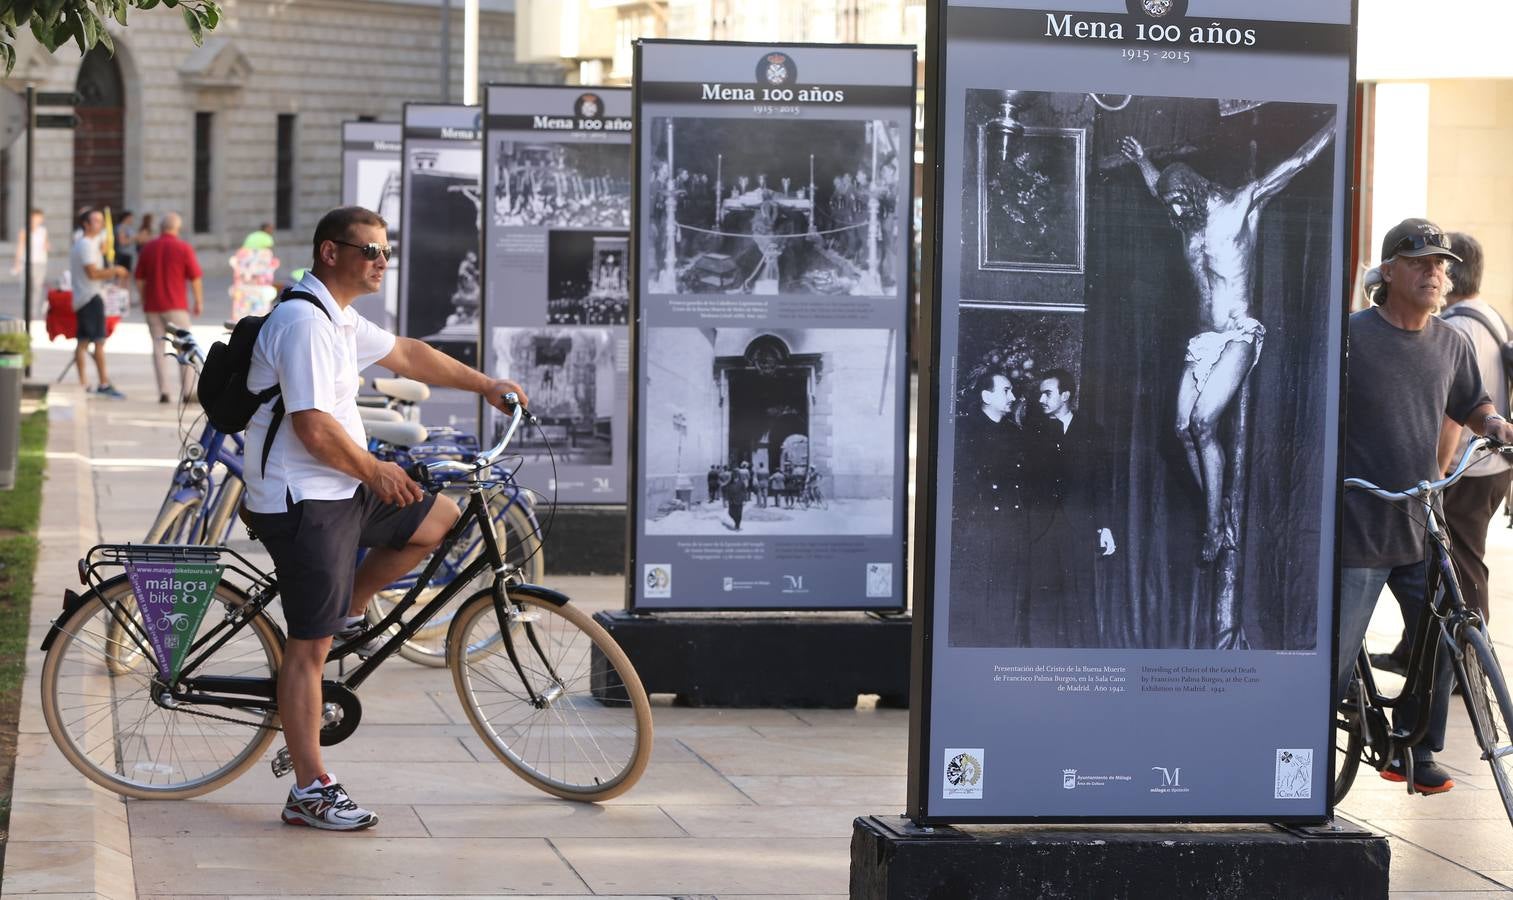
point(100, 701)
point(1491, 710)
point(572, 718)
point(177, 523)
point(1349, 738)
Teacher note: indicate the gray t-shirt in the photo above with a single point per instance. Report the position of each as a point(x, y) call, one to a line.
point(1400, 387)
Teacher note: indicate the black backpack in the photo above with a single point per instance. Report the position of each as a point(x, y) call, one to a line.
point(228, 404)
point(1505, 348)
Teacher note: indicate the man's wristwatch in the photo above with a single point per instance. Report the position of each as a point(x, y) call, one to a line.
point(1490, 418)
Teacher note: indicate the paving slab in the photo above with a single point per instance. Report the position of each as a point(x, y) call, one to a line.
point(711, 866)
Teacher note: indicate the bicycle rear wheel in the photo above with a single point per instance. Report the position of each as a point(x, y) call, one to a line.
point(100, 707)
point(580, 726)
point(519, 543)
point(1490, 707)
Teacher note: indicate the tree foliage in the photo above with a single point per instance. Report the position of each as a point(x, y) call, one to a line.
point(56, 22)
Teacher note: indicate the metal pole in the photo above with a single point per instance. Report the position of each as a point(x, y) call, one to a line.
point(446, 51)
point(470, 52)
point(26, 212)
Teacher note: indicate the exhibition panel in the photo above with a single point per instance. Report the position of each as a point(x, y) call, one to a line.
point(371, 178)
point(1135, 279)
point(556, 237)
point(440, 276)
point(770, 326)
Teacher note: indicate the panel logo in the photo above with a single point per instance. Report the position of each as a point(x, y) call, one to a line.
point(1294, 775)
point(658, 580)
point(729, 583)
point(1168, 780)
point(879, 580)
point(777, 69)
point(1157, 9)
point(589, 106)
point(601, 484)
point(1069, 779)
point(794, 584)
point(963, 774)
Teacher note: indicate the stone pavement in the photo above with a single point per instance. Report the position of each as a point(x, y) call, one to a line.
point(737, 803)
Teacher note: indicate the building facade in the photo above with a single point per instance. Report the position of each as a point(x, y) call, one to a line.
point(246, 128)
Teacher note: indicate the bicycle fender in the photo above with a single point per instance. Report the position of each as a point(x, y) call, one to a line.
point(71, 604)
point(555, 598)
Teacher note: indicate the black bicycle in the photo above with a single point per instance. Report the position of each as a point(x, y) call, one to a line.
point(169, 715)
point(1363, 718)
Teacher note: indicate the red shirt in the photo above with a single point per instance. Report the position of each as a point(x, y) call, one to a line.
point(166, 264)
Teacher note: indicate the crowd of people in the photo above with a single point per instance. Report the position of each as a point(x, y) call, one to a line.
point(539, 186)
point(782, 488)
point(811, 239)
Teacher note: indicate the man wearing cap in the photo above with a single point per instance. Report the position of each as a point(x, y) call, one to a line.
point(1408, 372)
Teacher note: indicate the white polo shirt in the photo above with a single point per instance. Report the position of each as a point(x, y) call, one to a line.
point(316, 362)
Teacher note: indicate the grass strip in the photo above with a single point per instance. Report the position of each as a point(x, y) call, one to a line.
point(20, 508)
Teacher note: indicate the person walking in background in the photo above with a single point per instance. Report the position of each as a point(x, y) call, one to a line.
point(126, 240)
point(145, 233)
point(89, 275)
point(40, 247)
point(167, 264)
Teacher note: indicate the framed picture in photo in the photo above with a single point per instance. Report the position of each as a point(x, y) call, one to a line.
point(1031, 192)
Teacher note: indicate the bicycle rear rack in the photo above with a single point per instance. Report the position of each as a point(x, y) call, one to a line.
point(112, 555)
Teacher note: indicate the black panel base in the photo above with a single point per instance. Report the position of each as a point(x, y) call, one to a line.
point(892, 859)
point(586, 540)
point(777, 659)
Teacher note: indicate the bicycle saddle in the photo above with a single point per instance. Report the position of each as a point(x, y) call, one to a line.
point(402, 389)
point(380, 414)
point(400, 434)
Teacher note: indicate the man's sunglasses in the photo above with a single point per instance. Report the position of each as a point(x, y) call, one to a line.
point(370, 252)
point(1417, 242)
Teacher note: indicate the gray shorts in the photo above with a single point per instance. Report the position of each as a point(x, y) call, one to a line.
point(314, 549)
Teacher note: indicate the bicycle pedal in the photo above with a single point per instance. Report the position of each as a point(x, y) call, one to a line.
point(281, 763)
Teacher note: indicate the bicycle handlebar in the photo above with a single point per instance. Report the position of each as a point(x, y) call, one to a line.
point(1430, 488)
point(487, 457)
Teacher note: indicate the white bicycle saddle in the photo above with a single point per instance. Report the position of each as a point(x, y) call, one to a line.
point(402, 389)
point(400, 434)
point(380, 414)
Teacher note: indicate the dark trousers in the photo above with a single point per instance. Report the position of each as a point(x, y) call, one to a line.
point(1469, 506)
point(1061, 602)
point(735, 511)
point(1359, 590)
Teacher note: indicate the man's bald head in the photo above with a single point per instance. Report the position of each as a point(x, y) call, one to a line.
point(172, 222)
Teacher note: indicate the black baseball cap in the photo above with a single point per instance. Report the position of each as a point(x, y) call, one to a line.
point(1416, 237)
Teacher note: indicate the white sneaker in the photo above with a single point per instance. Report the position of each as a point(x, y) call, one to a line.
point(326, 805)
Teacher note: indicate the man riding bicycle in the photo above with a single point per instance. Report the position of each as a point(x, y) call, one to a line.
point(321, 495)
point(1408, 371)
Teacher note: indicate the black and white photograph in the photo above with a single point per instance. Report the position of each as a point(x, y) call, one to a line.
point(378, 189)
point(1120, 454)
point(775, 207)
point(588, 281)
point(442, 272)
point(769, 431)
point(570, 374)
point(561, 185)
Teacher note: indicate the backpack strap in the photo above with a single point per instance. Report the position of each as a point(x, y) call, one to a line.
point(277, 389)
point(1459, 310)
